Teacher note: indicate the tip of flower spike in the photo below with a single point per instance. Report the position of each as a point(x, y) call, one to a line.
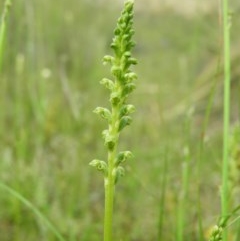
point(129, 2)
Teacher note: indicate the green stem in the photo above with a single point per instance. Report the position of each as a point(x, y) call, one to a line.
point(227, 77)
point(109, 198)
point(201, 148)
point(183, 195)
point(181, 215)
point(164, 182)
point(109, 182)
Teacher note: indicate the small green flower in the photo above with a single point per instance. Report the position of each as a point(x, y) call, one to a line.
point(122, 157)
point(103, 112)
point(99, 165)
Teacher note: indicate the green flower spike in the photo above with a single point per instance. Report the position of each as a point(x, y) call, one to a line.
point(223, 223)
point(121, 85)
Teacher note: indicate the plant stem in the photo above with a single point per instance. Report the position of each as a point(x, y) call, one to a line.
point(226, 114)
point(109, 181)
point(164, 182)
point(201, 146)
point(183, 198)
point(109, 198)
point(108, 215)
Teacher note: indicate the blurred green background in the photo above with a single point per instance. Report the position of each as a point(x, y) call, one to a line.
point(49, 87)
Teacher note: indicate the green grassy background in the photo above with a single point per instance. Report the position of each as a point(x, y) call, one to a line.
point(49, 87)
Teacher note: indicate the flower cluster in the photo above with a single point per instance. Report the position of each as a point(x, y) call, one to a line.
point(216, 234)
point(120, 86)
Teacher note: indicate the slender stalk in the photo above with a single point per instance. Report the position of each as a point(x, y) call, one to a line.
point(201, 146)
point(108, 211)
point(183, 198)
point(226, 114)
point(109, 197)
point(181, 219)
point(7, 5)
point(164, 182)
point(3, 18)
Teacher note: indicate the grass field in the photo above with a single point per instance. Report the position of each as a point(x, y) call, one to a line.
point(49, 82)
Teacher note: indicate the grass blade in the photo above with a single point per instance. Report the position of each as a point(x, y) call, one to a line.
point(226, 114)
point(3, 28)
point(33, 209)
